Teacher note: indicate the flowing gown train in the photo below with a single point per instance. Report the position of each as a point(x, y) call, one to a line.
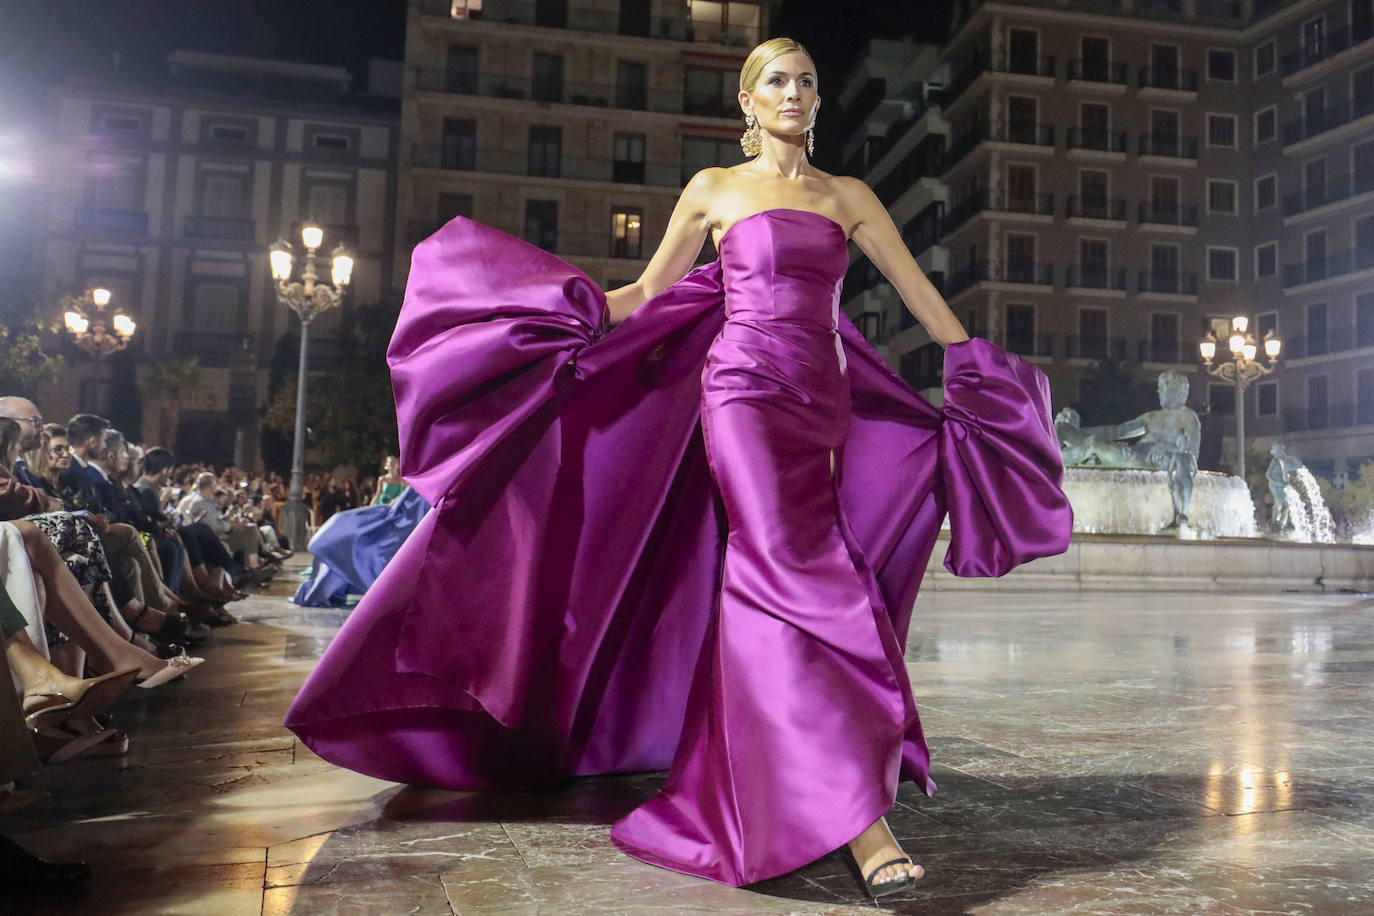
point(692, 543)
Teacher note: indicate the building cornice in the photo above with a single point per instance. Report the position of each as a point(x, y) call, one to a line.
point(491, 28)
point(568, 110)
point(149, 95)
point(1250, 33)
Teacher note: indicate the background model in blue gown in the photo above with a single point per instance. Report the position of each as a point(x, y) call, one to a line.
point(353, 547)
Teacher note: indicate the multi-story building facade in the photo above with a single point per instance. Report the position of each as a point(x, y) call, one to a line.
point(1312, 230)
point(892, 102)
point(570, 123)
point(169, 192)
point(1122, 175)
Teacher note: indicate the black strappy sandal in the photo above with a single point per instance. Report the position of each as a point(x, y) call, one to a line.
point(883, 888)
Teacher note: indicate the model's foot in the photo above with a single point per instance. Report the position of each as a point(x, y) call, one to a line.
point(876, 846)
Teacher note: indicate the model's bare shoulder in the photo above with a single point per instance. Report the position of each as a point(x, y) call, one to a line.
point(708, 180)
point(853, 192)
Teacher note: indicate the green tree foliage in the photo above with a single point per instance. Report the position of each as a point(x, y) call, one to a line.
point(1109, 392)
point(349, 411)
point(1354, 502)
point(24, 367)
point(171, 384)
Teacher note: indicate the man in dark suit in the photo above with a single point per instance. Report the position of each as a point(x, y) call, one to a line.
point(80, 483)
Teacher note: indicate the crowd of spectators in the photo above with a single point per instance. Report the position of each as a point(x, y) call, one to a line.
point(115, 559)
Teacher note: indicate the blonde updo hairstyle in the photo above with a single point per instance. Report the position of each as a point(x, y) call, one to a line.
point(762, 56)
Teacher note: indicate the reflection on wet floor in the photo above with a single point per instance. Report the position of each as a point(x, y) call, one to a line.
point(1174, 753)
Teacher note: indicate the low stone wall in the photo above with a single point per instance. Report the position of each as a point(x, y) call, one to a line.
point(1163, 563)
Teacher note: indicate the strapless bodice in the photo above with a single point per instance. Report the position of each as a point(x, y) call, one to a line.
point(784, 265)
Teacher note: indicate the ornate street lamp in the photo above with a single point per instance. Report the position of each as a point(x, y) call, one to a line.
point(307, 298)
point(84, 318)
point(1241, 369)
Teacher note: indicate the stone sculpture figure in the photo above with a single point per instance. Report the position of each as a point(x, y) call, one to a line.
point(1281, 466)
point(1166, 439)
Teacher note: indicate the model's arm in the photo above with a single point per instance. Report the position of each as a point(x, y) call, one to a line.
point(877, 237)
point(676, 254)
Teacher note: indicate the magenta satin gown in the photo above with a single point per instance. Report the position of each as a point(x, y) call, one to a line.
point(640, 556)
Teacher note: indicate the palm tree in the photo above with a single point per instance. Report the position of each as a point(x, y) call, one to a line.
point(172, 383)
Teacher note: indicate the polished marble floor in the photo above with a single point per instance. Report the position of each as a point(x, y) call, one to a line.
point(1142, 753)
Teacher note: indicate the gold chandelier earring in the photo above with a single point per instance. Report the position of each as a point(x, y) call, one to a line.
point(752, 139)
point(811, 140)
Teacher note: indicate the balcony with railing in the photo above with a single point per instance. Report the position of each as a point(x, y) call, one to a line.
point(1313, 270)
point(923, 230)
point(1333, 416)
point(1096, 140)
point(1167, 214)
point(895, 131)
point(103, 221)
point(455, 158)
point(1026, 133)
point(1000, 201)
point(1167, 283)
point(1093, 346)
point(1029, 344)
point(1021, 273)
point(983, 60)
point(1093, 276)
point(598, 95)
point(215, 351)
point(1325, 47)
point(219, 228)
point(1174, 79)
point(923, 161)
point(1092, 71)
point(1168, 146)
point(1318, 121)
point(582, 18)
point(1113, 209)
point(1222, 12)
point(1334, 191)
point(1335, 341)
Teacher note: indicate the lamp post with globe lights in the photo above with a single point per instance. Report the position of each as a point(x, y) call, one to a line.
point(1241, 369)
point(84, 318)
point(307, 297)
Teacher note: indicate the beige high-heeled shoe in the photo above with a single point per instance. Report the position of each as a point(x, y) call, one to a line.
point(94, 696)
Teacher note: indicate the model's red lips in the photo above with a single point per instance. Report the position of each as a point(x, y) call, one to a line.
point(791, 111)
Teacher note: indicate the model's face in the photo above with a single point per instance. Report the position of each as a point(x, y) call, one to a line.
point(59, 453)
point(785, 99)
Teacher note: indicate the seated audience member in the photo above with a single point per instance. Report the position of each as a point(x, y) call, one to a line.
point(209, 565)
point(200, 506)
point(86, 484)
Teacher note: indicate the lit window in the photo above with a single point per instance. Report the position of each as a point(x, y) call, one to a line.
point(626, 232)
point(465, 9)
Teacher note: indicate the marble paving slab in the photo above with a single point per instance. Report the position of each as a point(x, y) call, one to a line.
point(1106, 754)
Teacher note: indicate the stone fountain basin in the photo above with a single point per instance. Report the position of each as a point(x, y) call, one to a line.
point(1130, 501)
